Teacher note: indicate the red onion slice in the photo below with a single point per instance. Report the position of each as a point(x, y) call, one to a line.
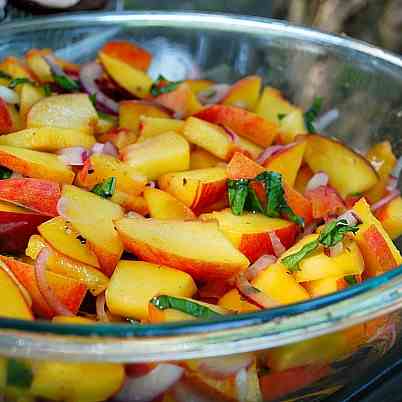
point(254, 295)
point(260, 265)
point(151, 184)
point(351, 218)
point(153, 384)
point(73, 156)
point(231, 134)
point(100, 308)
point(213, 94)
point(47, 292)
point(394, 176)
point(108, 148)
point(336, 250)
point(89, 73)
point(8, 95)
point(268, 152)
point(385, 200)
point(225, 366)
point(318, 180)
point(277, 246)
point(25, 294)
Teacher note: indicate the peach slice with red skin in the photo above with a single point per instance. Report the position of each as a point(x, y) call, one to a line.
point(120, 137)
point(390, 215)
point(16, 68)
point(198, 248)
point(325, 202)
point(69, 291)
point(39, 195)
point(6, 120)
point(242, 122)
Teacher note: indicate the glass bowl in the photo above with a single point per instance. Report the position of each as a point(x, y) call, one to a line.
point(349, 330)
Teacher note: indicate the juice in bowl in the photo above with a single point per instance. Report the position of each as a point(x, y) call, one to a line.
point(219, 230)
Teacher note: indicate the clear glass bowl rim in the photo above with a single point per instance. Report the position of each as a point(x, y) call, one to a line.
point(238, 333)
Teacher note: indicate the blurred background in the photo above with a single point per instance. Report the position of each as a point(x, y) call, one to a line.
point(375, 21)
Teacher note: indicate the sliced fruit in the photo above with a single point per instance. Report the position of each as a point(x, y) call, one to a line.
point(324, 286)
point(198, 188)
point(29, 95)
point(234, 301)
point(201, 159)
point(325, 202)
point(152, 126)
point(47, 139)
point(291, 126)
point(93, 217)
point(250, 233)
point(134, 283)
point(391, 218)
point(242, 122)
point(251, 149)
point(16, 68)
point(303, 177)
point(35, 164)
point(39, 66)
point(199, 85)
point(337, 161)
point(120, 137)
point(73, 111)
point(197, 248)
point(131, 202)
point(168, 152)
point(162, 205)
point(6, 118)
point(244, 93)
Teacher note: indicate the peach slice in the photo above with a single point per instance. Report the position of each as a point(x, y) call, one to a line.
point(242, 167)
point(198, 188)
point(379, 252)
point(39, 195)
point(128, 53)
point(153, 126)
point(162, 205)
point(168, 152)
point(234, 301)
point(47, 139)
point(325, 202)
point(128, 178)
point(324, 286)
point(29, 95)
point(383, 159)
point(131, 202)
point(73, 111)
point(6, 118)
point(120, 137)
point(69, 291)
point(249, 232)
point(337, 160)
point(287, 162)
point(39, 165)
point(391, 218)
point(201, 159)
point(132, 79)
point(93, 217)
point(210, 137)
point(62, 237)
point(92, 278)
point(105, 124)
point(181, 101)
point(244, 93)
point(199, 85)
point(198, 248)
point(249, 147)
point(16, 68)
point(134, 283)
point(36, 62)
point(242, 122)
point(131, 111)
point(292, 126)
point(303, 177)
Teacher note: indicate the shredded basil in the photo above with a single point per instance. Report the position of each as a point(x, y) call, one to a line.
point(5, 75)
point(351, 280)
point(19, 81)
point(5, 173)
point(92, 98)
point(332, 234)
point(19, 374)
point(163, 86)
point(47, 90)
point(312, 113)
point(66, 83)
point(105, 189)
point(238, 192)
point(252, 202)
point(190, 307)
point(281, 116)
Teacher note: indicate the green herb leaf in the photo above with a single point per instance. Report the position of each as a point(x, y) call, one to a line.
point(105, 189)
point(334, 232)
point(281, 116)
point(190, 307)
point(19, 81)
point(47, 90)
point(92, 98)
point(19, 374)
point(312, 113)
point(292, 261)
point(5, 75)
point(253, 204)
point(238, 191)
point(351, 280)
point(5, 173)
point(106, 116)
point(66, 83)
point(163, 86)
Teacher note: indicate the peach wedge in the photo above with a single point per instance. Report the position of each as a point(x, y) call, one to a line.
point(198, 248)
point(244, 93)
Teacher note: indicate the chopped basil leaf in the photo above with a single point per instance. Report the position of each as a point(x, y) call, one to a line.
point(92, 98)
point(253, 204)
point(292, 261)
point(47, 90)
point(66, 83)
point(163, 86)
point(5, 173)
point(193, 308)
point(238, 191)
point(5, 75)
point(19, 81)
point(105, 189)
point(312, 113)
point(19, 374)
point(281, 116)
point(351, 280)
